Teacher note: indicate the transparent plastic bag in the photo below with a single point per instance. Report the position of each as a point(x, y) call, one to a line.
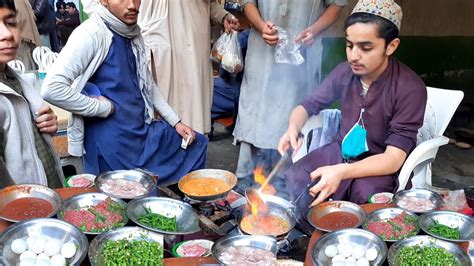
point(232, 60)
point(219, 46)
point(287, 51)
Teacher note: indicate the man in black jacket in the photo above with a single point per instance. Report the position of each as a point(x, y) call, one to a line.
point(45, 21)
point(69, 23)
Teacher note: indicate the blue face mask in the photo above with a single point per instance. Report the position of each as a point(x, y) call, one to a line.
point(355, 141)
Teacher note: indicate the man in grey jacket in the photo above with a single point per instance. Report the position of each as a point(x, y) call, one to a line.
point(101, 76)
point(26, 123)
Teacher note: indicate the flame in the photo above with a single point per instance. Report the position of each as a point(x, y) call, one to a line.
point(260, 179)
point(254, 209)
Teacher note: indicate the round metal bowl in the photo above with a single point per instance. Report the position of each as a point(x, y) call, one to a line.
point(69, 181)
point(49, 228)
point(14, 192)
point(385, 214)
point(276, 206)
point(85, 200)
point(449, 218)
point(320, 210)
point(428, 241)
point(186, 219)
point(142, 177)
point(226, 176)
point(260, 242)
point(353, 237)
point(128, 232)
point(419, 193)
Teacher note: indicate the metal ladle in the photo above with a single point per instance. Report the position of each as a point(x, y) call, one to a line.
point(254, 196)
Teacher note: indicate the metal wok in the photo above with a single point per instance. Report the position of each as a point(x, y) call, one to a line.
point(226, 176)
point(276, 206)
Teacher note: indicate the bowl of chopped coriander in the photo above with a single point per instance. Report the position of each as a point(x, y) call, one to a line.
point(163, 215)
point(426, 250)
point(128, 245)
point(448, 225)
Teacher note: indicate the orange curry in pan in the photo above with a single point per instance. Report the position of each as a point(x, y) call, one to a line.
point(206, 186)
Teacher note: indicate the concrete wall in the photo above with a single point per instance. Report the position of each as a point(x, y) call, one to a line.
point(426, 18)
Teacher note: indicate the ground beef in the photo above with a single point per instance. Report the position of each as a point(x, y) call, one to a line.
point(398, 227)
point(95, 218)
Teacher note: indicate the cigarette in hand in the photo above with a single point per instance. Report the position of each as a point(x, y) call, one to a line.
point(185, 142)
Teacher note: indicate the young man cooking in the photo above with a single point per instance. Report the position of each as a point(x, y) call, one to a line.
point(382, 105)
point(26, 123)
point(102, 77)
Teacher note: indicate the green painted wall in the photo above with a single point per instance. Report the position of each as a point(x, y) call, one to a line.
point(443, 62)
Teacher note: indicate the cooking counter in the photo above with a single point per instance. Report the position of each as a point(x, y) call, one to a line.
point(69, 192)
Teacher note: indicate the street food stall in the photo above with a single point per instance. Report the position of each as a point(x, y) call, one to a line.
point(207, 222)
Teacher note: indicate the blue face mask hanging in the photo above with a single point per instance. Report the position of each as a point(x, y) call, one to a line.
point(355, 141)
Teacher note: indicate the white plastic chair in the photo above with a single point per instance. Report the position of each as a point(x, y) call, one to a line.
point(17, 65)
point(313, 122)
point(440, 108)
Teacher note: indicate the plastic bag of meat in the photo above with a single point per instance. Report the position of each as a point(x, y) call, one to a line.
point(218, 48)
point(232, 60)
point(455, 201)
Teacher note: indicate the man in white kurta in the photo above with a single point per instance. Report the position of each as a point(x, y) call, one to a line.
point(271, 90)
point(177, 37)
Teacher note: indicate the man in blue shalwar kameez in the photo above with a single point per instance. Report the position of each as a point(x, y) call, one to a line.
point(102, 78)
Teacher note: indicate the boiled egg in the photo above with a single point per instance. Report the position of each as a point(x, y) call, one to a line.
point(344, 249)
point(19, 246)
point(358, 252)
point(330, 251)
point(39, 245)
point(28, 255)
point(43, 262)
point(27, 262)
point(371, 254)
point(351, 261)
point(362, 262)
point(42, 256)
point(58, 260)
point(68, 250)
point(338, 259)
point(52, 247)
point(30, 242)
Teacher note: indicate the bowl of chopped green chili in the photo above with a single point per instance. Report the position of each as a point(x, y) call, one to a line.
point(163, 215)
point(426, 250)
point(127, 246)
point(448, 225)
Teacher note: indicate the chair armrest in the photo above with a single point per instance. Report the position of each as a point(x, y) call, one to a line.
point(424, 151)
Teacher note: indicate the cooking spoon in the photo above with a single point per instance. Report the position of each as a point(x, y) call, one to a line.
point(254, 196)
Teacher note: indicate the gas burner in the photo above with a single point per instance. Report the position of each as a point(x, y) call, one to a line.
point(207, 208)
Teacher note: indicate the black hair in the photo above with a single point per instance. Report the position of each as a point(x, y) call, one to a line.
point(386, 29)
point(60, 5)
point(71, 4)
point(10, 4)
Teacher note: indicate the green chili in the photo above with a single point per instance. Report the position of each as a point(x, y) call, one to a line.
point(424, 256)
point(444, 230)
point(158, 221)
point(131, 252)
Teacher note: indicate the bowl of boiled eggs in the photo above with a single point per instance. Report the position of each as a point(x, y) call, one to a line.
point(43, 242)
point(349, 247)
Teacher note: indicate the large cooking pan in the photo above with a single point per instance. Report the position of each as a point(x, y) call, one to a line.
point(226, 176)
point(276, 206)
